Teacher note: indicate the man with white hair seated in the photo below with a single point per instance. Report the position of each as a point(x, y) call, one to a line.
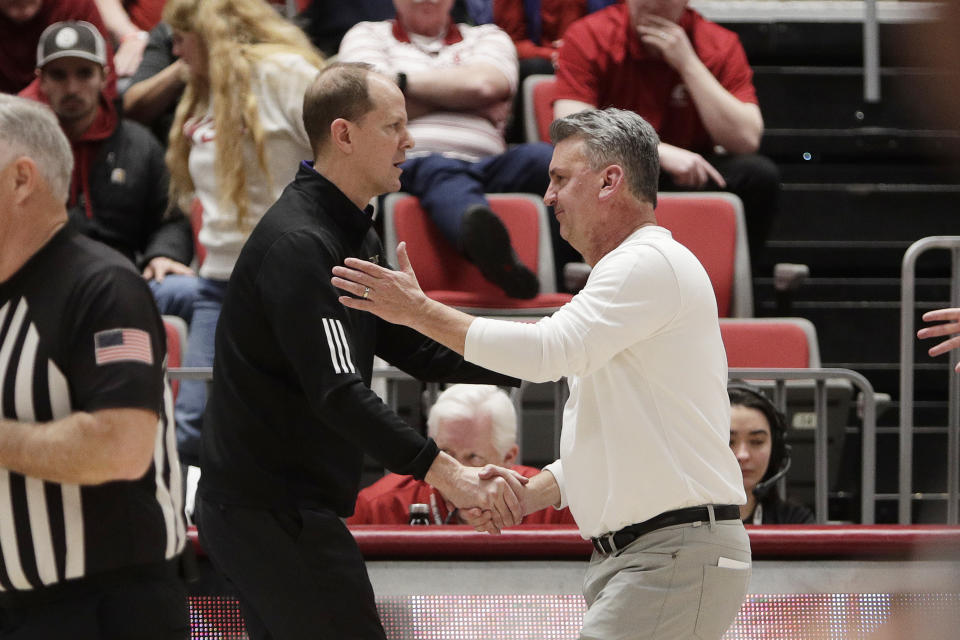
point(477, 425)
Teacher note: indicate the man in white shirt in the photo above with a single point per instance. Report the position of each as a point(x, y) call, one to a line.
point(644, 463)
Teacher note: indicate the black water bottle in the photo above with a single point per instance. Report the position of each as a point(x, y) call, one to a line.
point(419, 514)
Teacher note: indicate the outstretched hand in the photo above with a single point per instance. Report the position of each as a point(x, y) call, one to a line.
point(950, 324)
point(394, 296)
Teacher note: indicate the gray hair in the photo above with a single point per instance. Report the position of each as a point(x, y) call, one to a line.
point(28, 128)
point(473, 400)
point(616, 136)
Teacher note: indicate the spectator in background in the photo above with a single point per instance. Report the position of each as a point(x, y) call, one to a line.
point(458, 81)
point(758, 437)
point(325, 21)
point(477, 425)
point(156, 87)
point(537, 27)
point(236, 141)
point(118, 193)
point(691, 80)
point(129, 22)
point(22, 22)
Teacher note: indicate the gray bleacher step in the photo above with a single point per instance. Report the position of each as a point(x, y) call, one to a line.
point(860, 229)
point(795, 169)
point(854, 288)
point(821, 32)
point(861, 331)
point(828, 150)
point(813, 97)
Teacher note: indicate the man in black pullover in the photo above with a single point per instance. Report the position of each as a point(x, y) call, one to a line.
point(291, 412)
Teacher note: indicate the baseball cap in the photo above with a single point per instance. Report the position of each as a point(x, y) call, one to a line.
point(72, 39)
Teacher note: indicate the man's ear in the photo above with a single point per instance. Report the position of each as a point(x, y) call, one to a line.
point(24, 177)
point(613, 180)
point(341, 134)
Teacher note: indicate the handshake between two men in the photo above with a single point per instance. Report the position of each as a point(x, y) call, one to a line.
point(488, 498)
point(491, 497)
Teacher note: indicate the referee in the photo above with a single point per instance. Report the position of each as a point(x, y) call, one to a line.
point(90, 510)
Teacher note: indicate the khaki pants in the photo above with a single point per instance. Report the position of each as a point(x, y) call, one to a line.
point(669, 584)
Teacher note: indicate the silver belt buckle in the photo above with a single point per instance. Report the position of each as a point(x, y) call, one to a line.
point(611, 542)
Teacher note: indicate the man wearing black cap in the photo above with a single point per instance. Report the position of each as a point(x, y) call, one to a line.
point(118, 194)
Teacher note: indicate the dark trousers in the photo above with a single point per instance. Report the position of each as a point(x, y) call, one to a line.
point(142, 609)
point(755, 179)
point(447, 187)
point(297, 573)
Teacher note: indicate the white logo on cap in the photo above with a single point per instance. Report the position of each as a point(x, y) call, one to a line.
point(66, 38)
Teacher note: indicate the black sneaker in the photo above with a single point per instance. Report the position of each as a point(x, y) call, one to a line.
point(486, 243)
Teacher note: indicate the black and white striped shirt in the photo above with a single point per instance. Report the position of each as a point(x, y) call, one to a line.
point(79, 332)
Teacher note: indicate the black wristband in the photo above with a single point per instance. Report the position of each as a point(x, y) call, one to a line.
point(402, 81)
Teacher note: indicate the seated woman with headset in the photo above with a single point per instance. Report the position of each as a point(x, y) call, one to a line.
point(758, 433)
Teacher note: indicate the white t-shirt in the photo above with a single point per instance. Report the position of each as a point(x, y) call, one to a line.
point(469, 135)
point(279, 82)
point(647, 425)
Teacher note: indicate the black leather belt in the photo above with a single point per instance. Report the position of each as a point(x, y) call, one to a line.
point(611, 542)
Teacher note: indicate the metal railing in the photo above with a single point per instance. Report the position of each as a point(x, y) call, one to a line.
point(869, 435)
point(871, 52)
point(780, 377)
point(907, 341)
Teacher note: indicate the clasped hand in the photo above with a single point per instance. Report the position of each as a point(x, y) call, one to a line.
point(503, 499)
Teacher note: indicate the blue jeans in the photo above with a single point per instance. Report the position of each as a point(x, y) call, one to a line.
point(447, 187)
point(192, 398)
point(176, 295)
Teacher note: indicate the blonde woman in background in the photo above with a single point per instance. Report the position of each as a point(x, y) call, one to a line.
point(237, 139)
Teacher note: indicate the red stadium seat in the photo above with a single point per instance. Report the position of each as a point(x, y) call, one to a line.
point(176, 330)
point(770, 343)
point(446, 276)
point(712, 226)
point(539, 93)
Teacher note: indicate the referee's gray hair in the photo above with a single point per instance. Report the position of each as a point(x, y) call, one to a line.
point(29, 128)
point(616, 136)
point(473, 400)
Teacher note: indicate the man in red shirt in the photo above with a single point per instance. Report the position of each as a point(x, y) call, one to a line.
point(477, 425)
point(690, 79)
point(536, 26)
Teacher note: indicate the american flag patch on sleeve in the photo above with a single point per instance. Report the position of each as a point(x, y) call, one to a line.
point(122, 345)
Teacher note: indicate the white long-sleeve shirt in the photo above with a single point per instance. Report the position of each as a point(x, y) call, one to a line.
point(647, 424)
point(279, 82)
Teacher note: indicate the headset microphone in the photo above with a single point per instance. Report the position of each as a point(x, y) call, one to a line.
point(763, 488)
